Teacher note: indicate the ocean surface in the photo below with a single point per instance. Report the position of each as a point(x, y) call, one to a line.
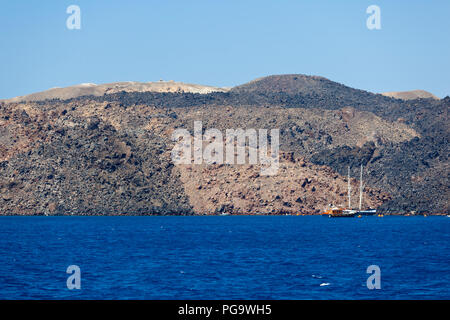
point(229, 257)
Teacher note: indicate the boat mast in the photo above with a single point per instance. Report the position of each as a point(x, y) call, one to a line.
point(360, 188)
point(349, 189)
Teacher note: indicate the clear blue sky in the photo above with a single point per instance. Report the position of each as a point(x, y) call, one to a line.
point(224, 43)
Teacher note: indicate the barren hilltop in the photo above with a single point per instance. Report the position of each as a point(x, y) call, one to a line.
point(108, 152)
point(410, 95)
point(92, 89)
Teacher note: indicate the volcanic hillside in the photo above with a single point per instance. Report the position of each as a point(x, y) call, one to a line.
point(110, 153)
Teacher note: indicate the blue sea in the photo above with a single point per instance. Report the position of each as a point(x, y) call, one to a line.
point(229, 257)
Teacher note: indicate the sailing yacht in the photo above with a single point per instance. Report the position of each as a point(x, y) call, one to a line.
point(336, 212)
point(341, 212)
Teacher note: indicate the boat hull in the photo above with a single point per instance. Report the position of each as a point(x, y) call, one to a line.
point(341, 215)
point(367, 212)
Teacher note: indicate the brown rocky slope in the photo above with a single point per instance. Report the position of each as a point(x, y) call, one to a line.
point(111, 154)
point(102, 158)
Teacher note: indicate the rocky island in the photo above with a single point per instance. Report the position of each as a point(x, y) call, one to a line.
point(106, 149)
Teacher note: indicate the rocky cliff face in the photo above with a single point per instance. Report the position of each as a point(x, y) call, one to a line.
point(299, 187)
point(110, 154)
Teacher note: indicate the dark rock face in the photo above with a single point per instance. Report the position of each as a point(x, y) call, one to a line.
point(92, 169)
point(111, 154)
point(415, 172)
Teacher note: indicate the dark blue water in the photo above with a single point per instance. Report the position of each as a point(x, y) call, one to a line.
point(284, 257)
